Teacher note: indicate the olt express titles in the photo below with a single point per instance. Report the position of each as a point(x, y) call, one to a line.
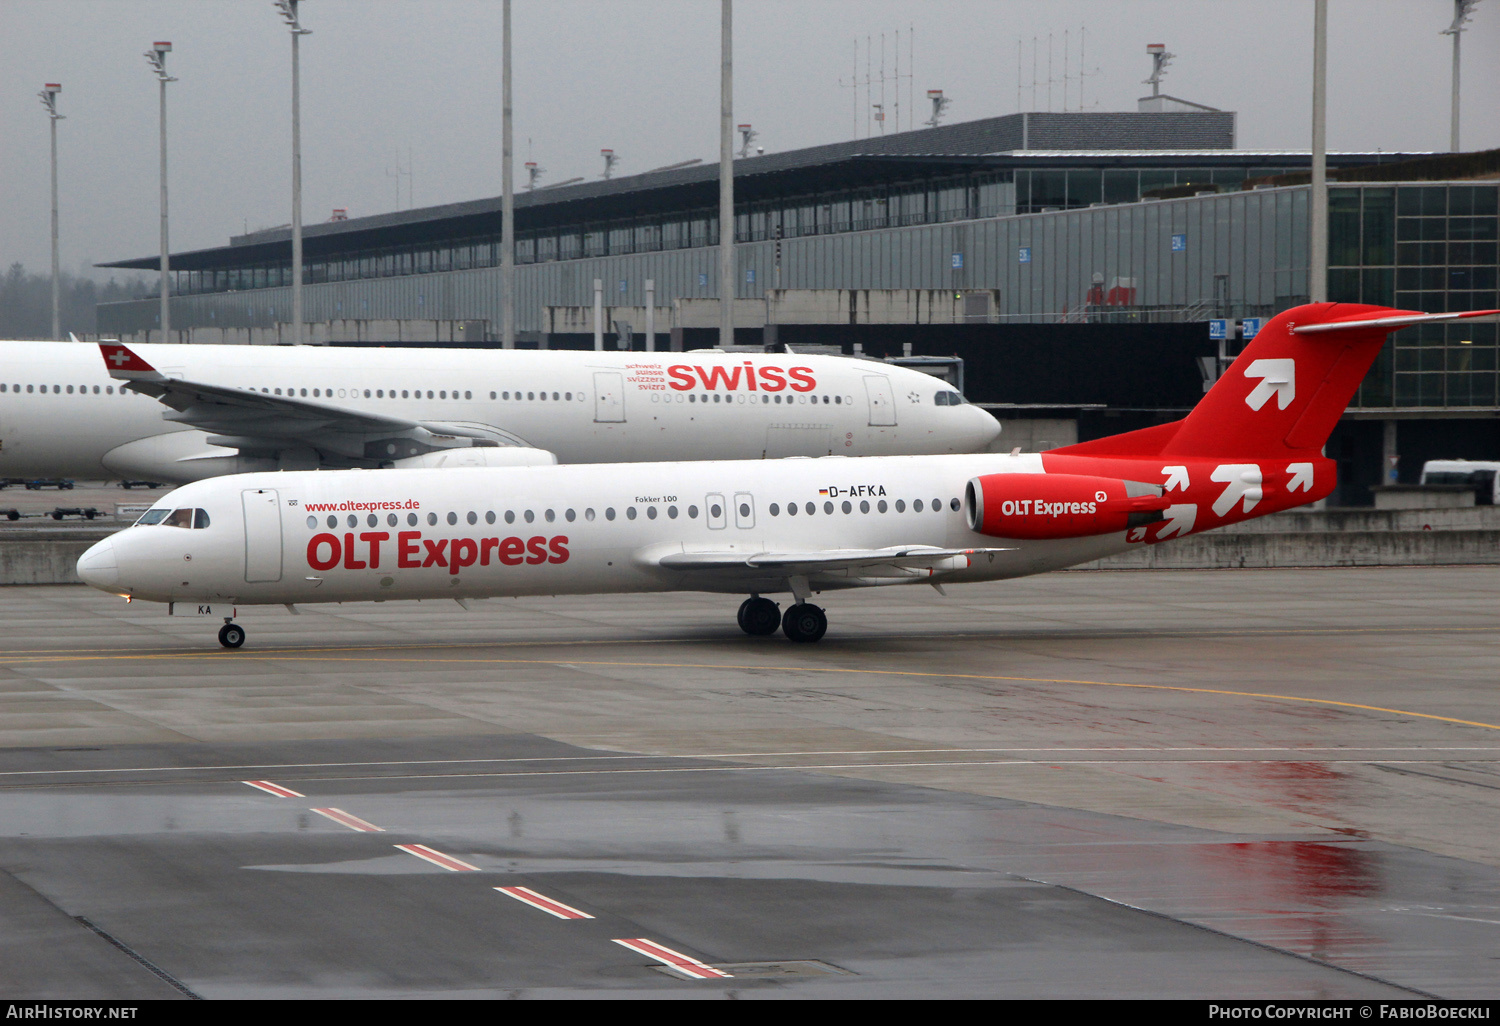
point(372, 549)
point(766, 379)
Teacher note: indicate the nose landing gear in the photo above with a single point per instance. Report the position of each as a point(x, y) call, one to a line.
point(231, 635)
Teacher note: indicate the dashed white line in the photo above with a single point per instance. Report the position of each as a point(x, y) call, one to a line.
point(345, 819)
point(276, 789)
point(675, 960)
point(549, 905)
point(437, 858)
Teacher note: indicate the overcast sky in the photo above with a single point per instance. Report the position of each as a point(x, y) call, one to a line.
point(384, 77)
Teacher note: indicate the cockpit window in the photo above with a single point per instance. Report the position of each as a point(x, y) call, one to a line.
point(946, 398)
point(152, 516)
point(193, 519)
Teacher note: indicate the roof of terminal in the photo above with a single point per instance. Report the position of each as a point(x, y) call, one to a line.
point(1139, 139)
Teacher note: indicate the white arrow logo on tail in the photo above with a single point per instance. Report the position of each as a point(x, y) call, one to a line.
point(1242, 481)
point(1278, 378)
point(1302, 477)
point(1177, 477)
point(1180, 520)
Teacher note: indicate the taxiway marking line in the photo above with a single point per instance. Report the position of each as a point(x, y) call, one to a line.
point(930, 674)
point(352, 822)
point(276, 789)
point(437, 858)
point(684, 964)
point(1346, 749)
point(549, 905)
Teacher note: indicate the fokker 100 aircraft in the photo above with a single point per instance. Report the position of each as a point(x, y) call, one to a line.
point(1252, 446)
point(186, 412)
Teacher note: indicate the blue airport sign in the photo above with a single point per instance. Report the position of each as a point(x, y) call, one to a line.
point(1179, 243)
point(1248, 327)
point(1025, 254)
point(750, 276)
point(622, 288)
point(957, 260)
point(703, 280)
point(1218, 329)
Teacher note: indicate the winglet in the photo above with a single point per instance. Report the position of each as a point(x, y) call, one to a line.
point(122, 362)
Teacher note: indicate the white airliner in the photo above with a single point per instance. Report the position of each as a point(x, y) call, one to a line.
point(186, 412)
point(1252, 446)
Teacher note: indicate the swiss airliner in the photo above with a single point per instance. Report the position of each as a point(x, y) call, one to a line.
point(1252, 446)
point(182, 413)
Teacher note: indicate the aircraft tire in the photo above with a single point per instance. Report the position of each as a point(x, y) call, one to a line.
point(231, 635)
point(804, 622)
point(759, 616)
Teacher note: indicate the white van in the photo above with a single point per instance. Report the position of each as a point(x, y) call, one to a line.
point(1481, 475)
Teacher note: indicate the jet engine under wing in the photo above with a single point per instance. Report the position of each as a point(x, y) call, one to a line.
point(901, 560)
point(255, 422)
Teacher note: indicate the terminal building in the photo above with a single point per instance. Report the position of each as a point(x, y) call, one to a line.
point(1072, 260)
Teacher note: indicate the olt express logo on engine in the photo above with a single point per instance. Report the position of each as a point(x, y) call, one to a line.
point(368, 549)
point(685, 377)
point(1043, 508)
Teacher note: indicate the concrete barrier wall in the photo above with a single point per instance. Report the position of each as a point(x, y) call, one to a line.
point(42, 555)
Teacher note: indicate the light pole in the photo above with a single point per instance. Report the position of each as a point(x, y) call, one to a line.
point(1463, 10)
point(288, 9)
point(726, 175)
point(1317, 270)
point(48, 97)
point(157, 58)
point(507, 199)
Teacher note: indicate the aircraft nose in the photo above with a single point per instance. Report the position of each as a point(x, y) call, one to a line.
point(97, 567)
point(987, 429)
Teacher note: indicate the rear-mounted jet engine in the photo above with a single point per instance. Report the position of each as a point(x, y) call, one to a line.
point(1059, 505)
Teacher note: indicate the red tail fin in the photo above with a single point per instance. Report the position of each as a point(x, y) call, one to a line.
point(1283, 395)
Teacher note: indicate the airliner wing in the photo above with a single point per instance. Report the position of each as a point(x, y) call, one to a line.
point(897, 557)
point(256, 421)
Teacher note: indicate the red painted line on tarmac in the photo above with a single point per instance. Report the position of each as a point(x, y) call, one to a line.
point(437, 858)
point(684, 964)
point(276, 789)
point(544, 903)
point(345, 819)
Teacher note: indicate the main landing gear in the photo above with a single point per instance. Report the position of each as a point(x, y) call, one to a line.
point(231, 635)
point(759, 616)
point(802, 621)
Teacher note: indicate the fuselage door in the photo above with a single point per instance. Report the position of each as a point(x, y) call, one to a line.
point(609, 397)
point(713, 510)
point(744, 510)
point(882, 400)
point(262, 534)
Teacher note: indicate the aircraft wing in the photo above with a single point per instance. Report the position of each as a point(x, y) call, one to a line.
point(257, 422)
point(858, 562)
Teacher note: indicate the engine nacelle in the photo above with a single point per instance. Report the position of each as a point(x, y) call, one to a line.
point(1059, 505)
point(480, 456)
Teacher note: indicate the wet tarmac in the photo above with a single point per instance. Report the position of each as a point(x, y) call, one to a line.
point(1172, 784)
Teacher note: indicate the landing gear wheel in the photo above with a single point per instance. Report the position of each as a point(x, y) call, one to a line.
point(759, 616)
point(804, 622)
point(231, 635)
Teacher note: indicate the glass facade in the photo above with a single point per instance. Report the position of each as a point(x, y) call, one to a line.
point(1421, 247)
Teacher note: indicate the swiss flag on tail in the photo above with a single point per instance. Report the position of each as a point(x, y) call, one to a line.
point(123, 362)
